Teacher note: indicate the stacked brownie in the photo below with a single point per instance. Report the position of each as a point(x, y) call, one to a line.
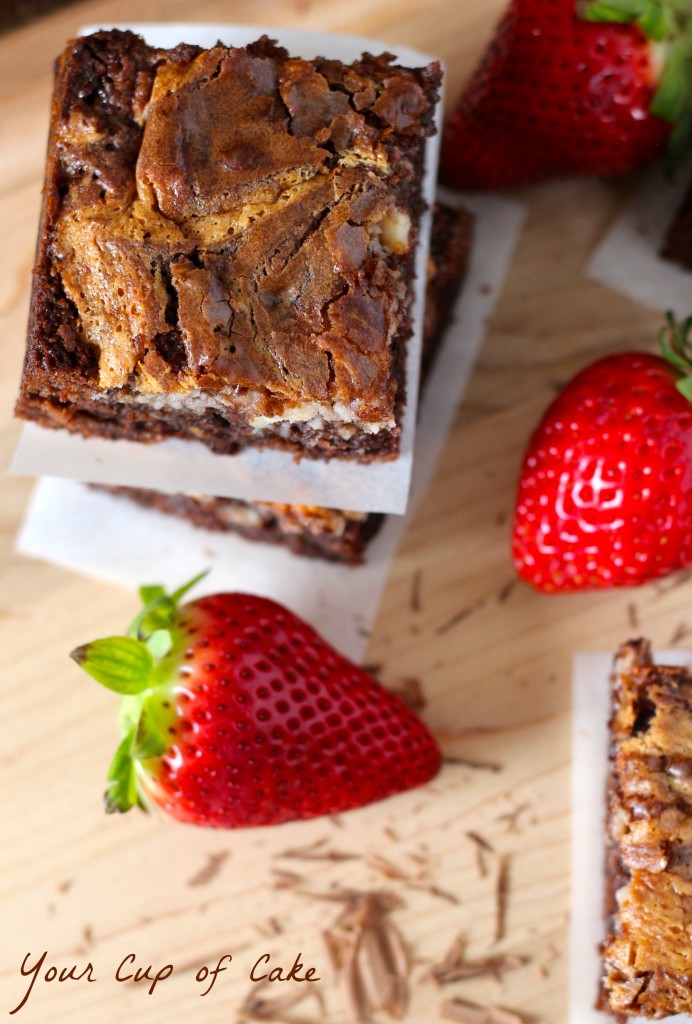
point(333, 534)
point(227, 247)
point(226, 255)
point(647, 955)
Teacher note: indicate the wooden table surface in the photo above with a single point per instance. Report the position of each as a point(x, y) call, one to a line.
point(85, 888)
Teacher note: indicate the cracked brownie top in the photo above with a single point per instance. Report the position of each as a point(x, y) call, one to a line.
point(236, 223)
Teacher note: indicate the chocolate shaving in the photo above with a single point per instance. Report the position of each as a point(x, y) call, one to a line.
point(506, 591)
point(210, 869)
point(681, 632)
point(411, 692)
point(416, 591)
point(333, 855)
point(369, 959)
point(271, 927)
point(455, 966)
point(393, 871)
point(286, 879)
point(257, 1008)
point(501, 892)
point(435, 890)
point(488, 766)
point(459, 617)
point(470, 1013)
point(512, 816)
point(387, 868)
point(480, 841)
point(482, 847)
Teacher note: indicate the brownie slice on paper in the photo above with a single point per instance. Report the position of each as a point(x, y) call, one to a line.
point(227, 247)
point(647, 954)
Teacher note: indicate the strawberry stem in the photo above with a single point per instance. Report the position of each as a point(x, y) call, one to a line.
point(676, 347)
point(132, 666)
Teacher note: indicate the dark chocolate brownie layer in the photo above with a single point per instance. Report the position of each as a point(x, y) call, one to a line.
point(647, 955)
point(331, 533)
point(226, 248)
point(677, 245)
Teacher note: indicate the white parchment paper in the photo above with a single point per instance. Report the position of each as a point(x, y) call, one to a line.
point(590, 714)
point(262, 475)
point(114, 540)
point(627, 259)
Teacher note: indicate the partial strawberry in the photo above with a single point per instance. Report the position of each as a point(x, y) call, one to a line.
point(572, 88)
point(605, 495)
point(236, 713)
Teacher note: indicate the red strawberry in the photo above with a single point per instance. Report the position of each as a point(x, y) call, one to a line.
point(236, 713)
point(574, 88)
point(605, 496)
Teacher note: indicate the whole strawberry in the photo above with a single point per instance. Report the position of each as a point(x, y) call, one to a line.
point(574, 88)
point(236, 713)
point(605, 495)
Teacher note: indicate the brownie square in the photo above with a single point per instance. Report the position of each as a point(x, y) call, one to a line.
point(332, 534)
point(226, 247)
point(647, 955)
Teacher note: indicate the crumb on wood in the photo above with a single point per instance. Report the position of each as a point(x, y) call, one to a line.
point(472, 1013)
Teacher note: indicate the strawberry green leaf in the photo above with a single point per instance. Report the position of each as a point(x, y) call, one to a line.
point(121, 793)
point(651, 16)
point(156, 615)
point(149, 739)
point(653, 22)
point(150, 594)
point(159, 608)
point(680, 139)
point(671, 99)
point(120, 663)
point(182, 591)
point(159, 643)
point(684, 386)
point(615, 10)
point(675, 343)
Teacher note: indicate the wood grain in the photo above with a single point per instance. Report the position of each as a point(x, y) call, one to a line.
point(492, 657)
